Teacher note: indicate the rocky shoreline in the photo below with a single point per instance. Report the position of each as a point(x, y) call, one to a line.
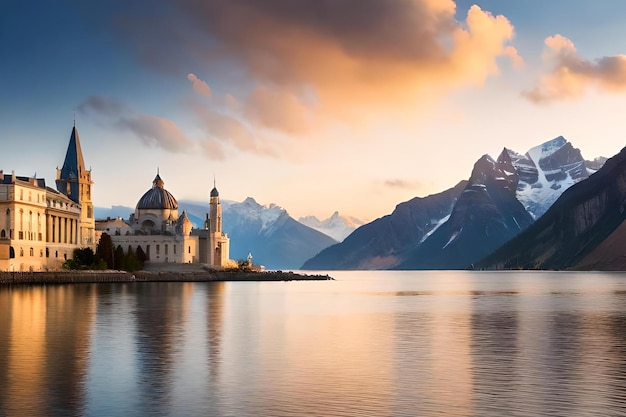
point(90, 277)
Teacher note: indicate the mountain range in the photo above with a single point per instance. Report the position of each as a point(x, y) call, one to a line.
point(501, 199)
point(336, 226)
point(584, 229)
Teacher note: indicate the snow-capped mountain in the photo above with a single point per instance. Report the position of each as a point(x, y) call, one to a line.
point(268, 232)
point(336, 226)
point(485, 216)
point(545, 171)
point(501, 199)
point(584, 229)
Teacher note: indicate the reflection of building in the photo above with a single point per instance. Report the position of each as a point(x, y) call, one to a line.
point(40, 227)
point(164, 236)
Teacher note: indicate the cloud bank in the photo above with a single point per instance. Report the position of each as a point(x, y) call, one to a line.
point(295, 65)
point(571, 76)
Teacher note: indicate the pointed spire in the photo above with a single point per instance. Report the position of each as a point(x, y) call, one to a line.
point(73, 167)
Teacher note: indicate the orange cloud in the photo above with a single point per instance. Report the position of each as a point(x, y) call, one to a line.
point(225, 129)
point(280, 110)
point(347, 60)
point(571, 75)
point(199, 86)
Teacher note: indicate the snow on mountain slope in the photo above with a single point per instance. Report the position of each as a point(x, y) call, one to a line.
point(251, 211)
point(336, 226)
point(545, 171)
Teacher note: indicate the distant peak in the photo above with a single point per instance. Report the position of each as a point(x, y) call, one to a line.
point(250, 200)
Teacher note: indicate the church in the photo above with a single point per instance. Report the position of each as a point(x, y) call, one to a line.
point(40, 227)
point(167, 236)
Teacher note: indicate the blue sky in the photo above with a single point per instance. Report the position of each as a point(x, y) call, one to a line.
point(313, 105)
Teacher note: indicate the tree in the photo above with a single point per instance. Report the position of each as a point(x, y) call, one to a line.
point(141, 256)
point(118, 258)
point(84, 258)
point(131, 263)
point(104, 250)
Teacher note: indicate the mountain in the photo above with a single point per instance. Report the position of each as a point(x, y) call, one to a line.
point(379, 244)
point(547, 170)
point(102, 213)
point(274, 238)
point(584, 228)
point(336, 226)
point(501, 199)
point(486, 215)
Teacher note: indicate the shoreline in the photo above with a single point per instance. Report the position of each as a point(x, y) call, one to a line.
point(110, 276)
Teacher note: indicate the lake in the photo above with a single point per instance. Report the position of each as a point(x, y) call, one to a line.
point(373, 343)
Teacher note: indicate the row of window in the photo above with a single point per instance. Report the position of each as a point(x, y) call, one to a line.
point(32, 253)
point(158, 249)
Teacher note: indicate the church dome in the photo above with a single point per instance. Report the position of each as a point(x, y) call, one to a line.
point(157, 197)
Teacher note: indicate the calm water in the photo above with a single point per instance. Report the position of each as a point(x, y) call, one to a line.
point(367, 344)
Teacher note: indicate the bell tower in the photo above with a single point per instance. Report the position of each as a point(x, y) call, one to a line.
point(219, 243)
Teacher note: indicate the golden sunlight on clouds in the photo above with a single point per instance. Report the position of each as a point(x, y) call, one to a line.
point(310, 65)
point(356, 55)
point(199, 86)
point(572, 76)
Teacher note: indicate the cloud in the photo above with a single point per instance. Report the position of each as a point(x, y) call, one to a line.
point(225, 129)
point(400, 183)
point(106, 106)
point(348, 60)
point(151, 130)
point(279, 110)
point(156, 131)
point(571, 76)
point(199, 86)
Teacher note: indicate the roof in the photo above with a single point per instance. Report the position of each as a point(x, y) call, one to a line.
point(157, 197)
point(36, 182)
point(74, 165)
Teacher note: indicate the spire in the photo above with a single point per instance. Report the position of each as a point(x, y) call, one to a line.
point(73, 167)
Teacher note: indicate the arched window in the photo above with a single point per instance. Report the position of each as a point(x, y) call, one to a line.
point(21, 251)
point(32, 252)
point(189, 249)
point(3, 233)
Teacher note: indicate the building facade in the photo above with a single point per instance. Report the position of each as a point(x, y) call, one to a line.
point(41, 227)
point(167, 236)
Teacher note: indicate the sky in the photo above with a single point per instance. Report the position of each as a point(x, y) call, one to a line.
point(315, 105)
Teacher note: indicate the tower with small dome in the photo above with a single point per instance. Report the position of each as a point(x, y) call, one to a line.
point(219, 243)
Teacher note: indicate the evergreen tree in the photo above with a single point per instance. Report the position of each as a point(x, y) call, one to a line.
point(104, 250)
point(131, 263)
point(118, 258)
point(141, 256)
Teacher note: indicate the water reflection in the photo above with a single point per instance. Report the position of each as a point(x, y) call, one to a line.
point(428, 344)
point(45, 349)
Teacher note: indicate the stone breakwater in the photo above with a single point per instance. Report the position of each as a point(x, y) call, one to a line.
point(80, 277)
